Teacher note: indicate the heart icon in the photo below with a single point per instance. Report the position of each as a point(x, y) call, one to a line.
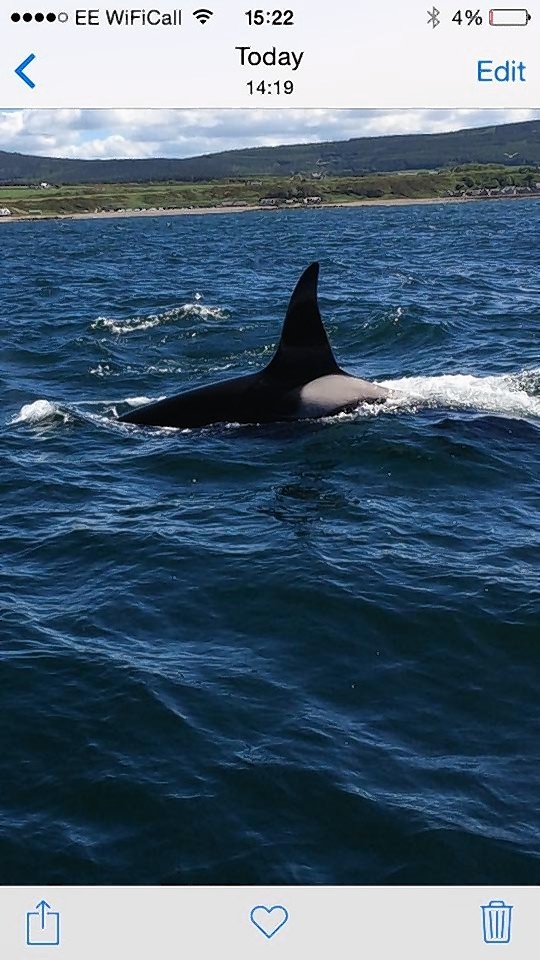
point(269, 919)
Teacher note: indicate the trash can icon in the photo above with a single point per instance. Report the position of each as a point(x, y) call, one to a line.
point(497, 922)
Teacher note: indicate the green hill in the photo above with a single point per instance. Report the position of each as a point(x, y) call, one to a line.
point(513, 143)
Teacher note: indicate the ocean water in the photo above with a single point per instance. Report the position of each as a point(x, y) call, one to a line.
point(297, 653)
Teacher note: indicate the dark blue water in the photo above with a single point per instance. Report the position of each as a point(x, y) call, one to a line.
point(302, 653)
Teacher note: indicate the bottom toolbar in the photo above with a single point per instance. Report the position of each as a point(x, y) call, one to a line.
point(379, 922)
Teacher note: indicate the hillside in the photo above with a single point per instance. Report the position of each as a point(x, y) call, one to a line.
point(514, 143)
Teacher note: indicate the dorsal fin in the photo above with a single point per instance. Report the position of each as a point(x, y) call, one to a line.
point(303, 352)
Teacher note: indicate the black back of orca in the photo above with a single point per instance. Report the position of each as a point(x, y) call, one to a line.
point(303, 354)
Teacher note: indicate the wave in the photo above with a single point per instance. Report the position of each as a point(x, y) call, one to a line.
point(515, 395)
point(529, 381)
point(40, 411)
point(512, 395)
point(166, 367)
point(132, 324)
point(139, 401)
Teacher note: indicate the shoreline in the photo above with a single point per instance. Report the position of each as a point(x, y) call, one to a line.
point(203, 211)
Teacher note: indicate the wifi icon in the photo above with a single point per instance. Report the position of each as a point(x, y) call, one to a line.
point(203, 15)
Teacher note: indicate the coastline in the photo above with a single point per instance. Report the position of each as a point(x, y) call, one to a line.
point(203, 211)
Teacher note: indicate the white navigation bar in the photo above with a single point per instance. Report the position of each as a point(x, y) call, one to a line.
point(305, 53)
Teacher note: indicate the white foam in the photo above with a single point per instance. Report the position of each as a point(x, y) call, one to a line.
point(37, 412)
point(102, 370)
point(132, 324)
point(140, 401)
point(500, 394)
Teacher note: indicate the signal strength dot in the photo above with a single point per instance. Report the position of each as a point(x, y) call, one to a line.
point(38, 17)
point(203, 15)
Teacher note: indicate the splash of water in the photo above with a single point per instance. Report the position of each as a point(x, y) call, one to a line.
point(509, 394)
point(132, 324)
point(38, 412)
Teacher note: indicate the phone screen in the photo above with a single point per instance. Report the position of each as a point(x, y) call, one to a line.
point(269, 541)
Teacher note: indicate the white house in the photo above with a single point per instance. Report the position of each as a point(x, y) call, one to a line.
point(4, 212)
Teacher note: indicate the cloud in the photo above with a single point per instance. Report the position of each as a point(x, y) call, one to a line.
point(186, 133)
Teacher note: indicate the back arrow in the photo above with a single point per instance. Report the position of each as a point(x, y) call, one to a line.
point(22, 67)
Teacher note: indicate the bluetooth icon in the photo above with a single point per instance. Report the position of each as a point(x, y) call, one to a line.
point(433, 17)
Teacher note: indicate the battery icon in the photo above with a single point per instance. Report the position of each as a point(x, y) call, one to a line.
point(513, 17)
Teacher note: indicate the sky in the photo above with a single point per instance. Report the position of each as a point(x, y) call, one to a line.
point(104, 134)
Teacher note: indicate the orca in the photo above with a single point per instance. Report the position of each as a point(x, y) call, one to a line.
point(302, 381)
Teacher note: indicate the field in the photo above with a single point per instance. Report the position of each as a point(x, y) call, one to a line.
point(55, 200)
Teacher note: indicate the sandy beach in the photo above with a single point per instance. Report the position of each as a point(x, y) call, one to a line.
point(201, 211)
